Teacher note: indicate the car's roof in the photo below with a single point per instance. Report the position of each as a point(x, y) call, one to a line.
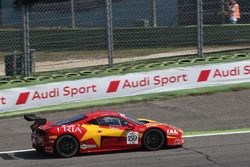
point(100, 113)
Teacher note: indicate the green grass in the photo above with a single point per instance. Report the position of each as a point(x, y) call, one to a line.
point(124, 38)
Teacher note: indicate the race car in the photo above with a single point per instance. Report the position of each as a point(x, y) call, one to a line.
point(99, 131)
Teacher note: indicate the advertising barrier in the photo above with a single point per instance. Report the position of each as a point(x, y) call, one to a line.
point(124, 85)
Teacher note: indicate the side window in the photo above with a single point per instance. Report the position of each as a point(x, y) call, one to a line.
point(124, 122)
point(111, 121)
point(93, 122)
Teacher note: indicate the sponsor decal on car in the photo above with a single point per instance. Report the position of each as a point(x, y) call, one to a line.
point(69, 128)
point(48, 149)
point(172, 132)
point(178, 141)
point(88, 146)
point(141, 130)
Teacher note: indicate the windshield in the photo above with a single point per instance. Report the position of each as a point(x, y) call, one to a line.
point(70, 120)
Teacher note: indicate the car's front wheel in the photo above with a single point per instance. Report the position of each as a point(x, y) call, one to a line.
point(153, 140)
point(66, 146)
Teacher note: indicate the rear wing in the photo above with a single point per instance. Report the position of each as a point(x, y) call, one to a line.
point(38, 121)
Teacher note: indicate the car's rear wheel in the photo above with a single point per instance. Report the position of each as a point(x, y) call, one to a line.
point(67, 146)
point(153, 140)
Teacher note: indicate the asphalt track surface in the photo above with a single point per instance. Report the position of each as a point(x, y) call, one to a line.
point(221, 111)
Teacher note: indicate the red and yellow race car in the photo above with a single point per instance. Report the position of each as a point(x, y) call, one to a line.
point(101, 131)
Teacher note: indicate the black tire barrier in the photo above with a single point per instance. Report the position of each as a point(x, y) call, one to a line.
point(16, 81)
point(126, 69)
point(139, 66)
point(30, 79)
point(168, 63)
point(72, 74)
point(113, 70)
point(226, 57)
point(198, 60)
point(3, 82)
point(44, 78)
point(153, 65)
point(240, 55)
point(213, 59)
point(57, 76)
point(84, 73)
point(185, 61)
point(98, 72)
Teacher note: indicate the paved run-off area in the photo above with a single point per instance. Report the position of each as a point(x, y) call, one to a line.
point(221, 111)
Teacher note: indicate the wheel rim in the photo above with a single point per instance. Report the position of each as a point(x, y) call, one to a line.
point(154, 139)
point(67, 146)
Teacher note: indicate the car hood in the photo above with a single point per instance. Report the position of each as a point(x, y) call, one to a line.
point(152, 122)
point(149, 122)
point(146, 120)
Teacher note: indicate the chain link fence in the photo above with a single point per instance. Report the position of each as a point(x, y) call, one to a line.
point(65, 34)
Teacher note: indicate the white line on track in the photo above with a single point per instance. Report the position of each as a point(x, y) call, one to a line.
point(185, 136)
point(216, 134)
point(17, 151)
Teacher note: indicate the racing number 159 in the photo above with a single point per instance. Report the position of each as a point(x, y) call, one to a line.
point(132, 138)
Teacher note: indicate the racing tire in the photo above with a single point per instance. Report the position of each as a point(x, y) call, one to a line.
point(153, 140)
point(66, 146)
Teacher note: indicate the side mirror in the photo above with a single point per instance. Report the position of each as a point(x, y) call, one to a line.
point(130, 126)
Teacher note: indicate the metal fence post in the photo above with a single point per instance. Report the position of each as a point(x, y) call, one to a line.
point(154, 13)
point(27, 65)
point(200, 33)
point(73, 22)
point(109, 31)
point(223, 12)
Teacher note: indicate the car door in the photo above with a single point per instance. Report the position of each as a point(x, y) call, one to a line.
point(114, 133)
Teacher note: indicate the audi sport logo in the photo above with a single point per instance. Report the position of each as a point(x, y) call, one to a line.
point(113, 86)
point(66, 91)
point(23, 97)
point(219, 73)
point(204, 75)
point(159, 81)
